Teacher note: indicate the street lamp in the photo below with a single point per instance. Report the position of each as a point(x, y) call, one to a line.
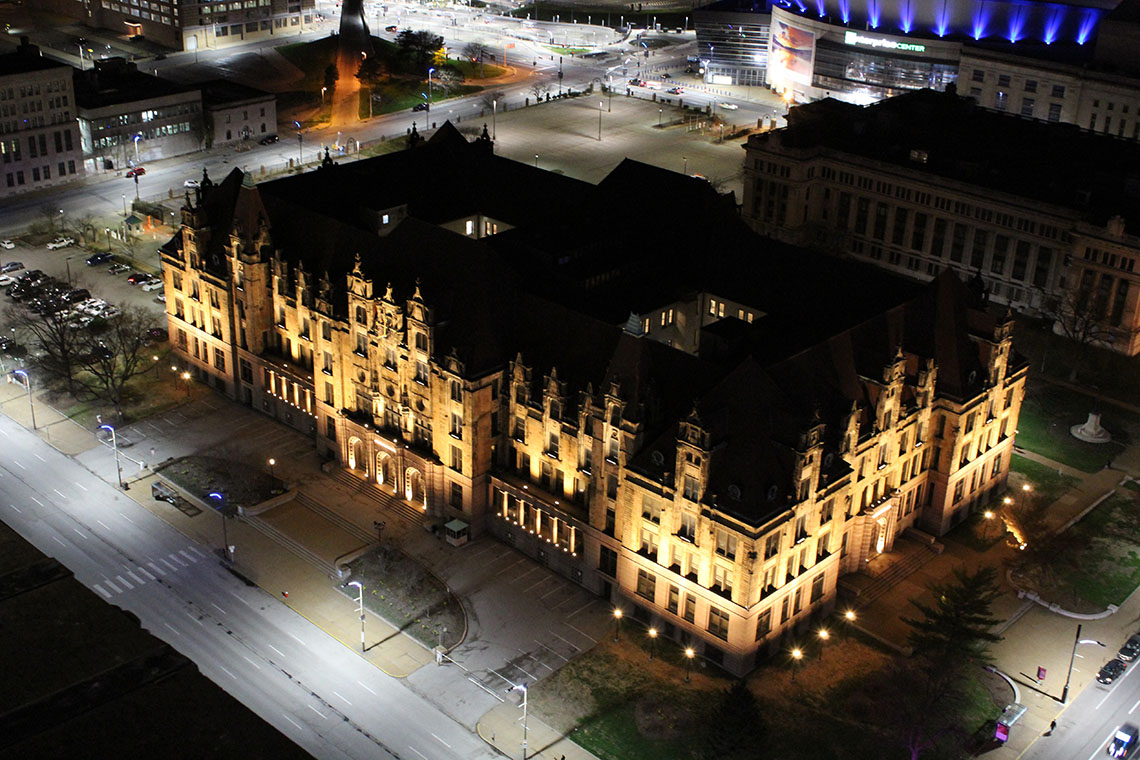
point(67, 263)
point(989, 515)
point(522, 687)
point(359, 607)
point(323, 94)
point(652, 641)
point(28, 385)
point(186, 379)
point(430, 72)
point(797, 655)
point(115, 446)
point(535, 160)
point(824, 635)
point(61, 222)
point(617, 623)
point(300, 144)
point(494, 113)
point(601, 105)
point(689, 654)
point(272, 469)
point(124, 204)
point(685, 165)
point(154, 359)
point(136, 139)
point(227, 550)
point(849, 616)
point(1076, 640)
point(660, 113)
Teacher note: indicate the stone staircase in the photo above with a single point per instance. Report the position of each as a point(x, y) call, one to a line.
point(347, 526)
point(386, 500)
point(294, 546)
point(913, 555)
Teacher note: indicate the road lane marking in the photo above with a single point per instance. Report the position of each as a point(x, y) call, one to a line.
point(58, 541)
point(219, 609)
point(421, 754)
point(228, 673)
point(1134, 706)
point(17, 461)
point(251, 662)
point(275, 649)
point(196, 620)
point(295, 723)
point(61, 494)
point(123, 581)
point(81, 535)
point(176, 633)
point(344, 700)
point(80, 486)
point(318, 712)
point(132, 522)
point(156, 568)
point(441, 741)
point(105, 525)
point(99, 588)
point(299, 641)
point(136, 579)
point(37, 501)
point(235, 596)
point(13, 506)
point(144, 572)
point(367, 689)
point(39, 457)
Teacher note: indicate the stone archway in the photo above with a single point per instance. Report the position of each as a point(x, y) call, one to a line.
point(385, 471)
point(356, 454)
point(415, 489)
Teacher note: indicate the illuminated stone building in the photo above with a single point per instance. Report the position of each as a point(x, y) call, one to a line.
point(928, 180)
point(677, 439)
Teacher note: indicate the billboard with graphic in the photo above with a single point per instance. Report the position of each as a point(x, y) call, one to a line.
point(792, 54)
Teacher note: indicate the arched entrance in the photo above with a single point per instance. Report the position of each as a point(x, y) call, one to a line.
point(356, 453)
point(385, 475)
point(414, 490)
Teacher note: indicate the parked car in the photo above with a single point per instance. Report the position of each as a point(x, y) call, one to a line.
point(111, 312)
point(99, 258)
point(1130, 649)
point(11, 266)
point(675, 91)
point(268, 140)
point(1123, 740)
point(118, 269)
point(137, 171)
point(6, 279)
point(7, 244)
point(79, 295)
point(60, 242)
point(151, 285)
point(156, 334)
point(729, 106)
point(191, 184)
point(160, 298)
point(1112, 670)
point(137, 278)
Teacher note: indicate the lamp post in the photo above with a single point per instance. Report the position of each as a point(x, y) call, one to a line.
point(660, 113)
point(617, 623)
point(601, 105)
point(115, 446)
point(494, 113)
point(430, 72)
point(28, 385)
point(689, 654)
point(154, 360)
point(652, 641)
point(323, 89)
point(1068, 678)
point(62, 221)
point(535, 160)
point(989, 515)
point(227, 550)
point(797, 655)
point(824, 635)
point(136, 139)
point(272, 467)
point(300, 144)
point(522, 687)
point(67, 263)
point(124, 204)
point(685, 164)
point(359, 608)
point(186, 379)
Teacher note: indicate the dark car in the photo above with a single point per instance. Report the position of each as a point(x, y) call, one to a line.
point(1123, 740)
point(156, 334)
point(75, 296)
point(99, 258)
point(268, 140)
point(390, 28)
point(136, 278)
point(666, 75)
point(1112, 670)
point(1130, 649)
point(420, 107)
point(138, 171)
point(12, 266)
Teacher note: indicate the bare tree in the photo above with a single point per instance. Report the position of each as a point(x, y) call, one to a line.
point(56, 341)
point(117, 355)
point(541, 88)
point(85, 227)
point(1080, 315)
point(50, 214)
point(490, 97)
point(476, 52)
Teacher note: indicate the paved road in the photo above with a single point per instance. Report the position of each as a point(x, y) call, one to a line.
point(300, 680)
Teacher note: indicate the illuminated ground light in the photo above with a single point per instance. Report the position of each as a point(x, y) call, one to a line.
point(1088, 23)
point(820, 8)
point(906, 22)
point(981, 20)
point(873, 12)
point(845, 10)
point(1053, 25)
point(1016, 24)
point(942, 19)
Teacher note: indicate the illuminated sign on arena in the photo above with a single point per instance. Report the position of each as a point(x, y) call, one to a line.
point(854, 38)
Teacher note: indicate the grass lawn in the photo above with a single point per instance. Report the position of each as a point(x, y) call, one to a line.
point(1048, 413)
point(400, 590)
point(239, 482)
point(559, 50)
point(312, 58)
point(1048, 485)
point(145, 395)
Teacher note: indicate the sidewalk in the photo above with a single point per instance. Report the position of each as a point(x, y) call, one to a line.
point(502, 727)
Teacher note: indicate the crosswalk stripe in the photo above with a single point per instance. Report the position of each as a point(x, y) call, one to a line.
point(136, 579)
point(175, 558)
point(123, 581)
point(144, 572)
point(102, 591)
point(187, 555)
point(112, 586)
point(156, 568)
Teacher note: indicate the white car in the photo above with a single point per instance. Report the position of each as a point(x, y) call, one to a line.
point(7, 244)
point(61, 242)
point(729, 106)
point(110, 312)
point(160, 298)
point(191, 184)
point(94, 308)
point(152, 285)
point(6, 279)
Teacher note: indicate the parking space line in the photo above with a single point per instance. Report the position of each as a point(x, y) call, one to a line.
point(58, 541)
point(559, 587)
point(79, 486)
point(176, 632)
point(61, 494)
point(585, 606)
point(548, 649)
point(579, 630)
point(175, 558)
point(13, 506)
point(538, 583)
point(219, 609)
point(228, 673)
point(295, 723)
point(508, 567)
point(575, 647)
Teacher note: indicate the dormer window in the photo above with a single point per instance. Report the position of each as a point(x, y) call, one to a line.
point(555, 410)
point(421, 341)
point(361, 315)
